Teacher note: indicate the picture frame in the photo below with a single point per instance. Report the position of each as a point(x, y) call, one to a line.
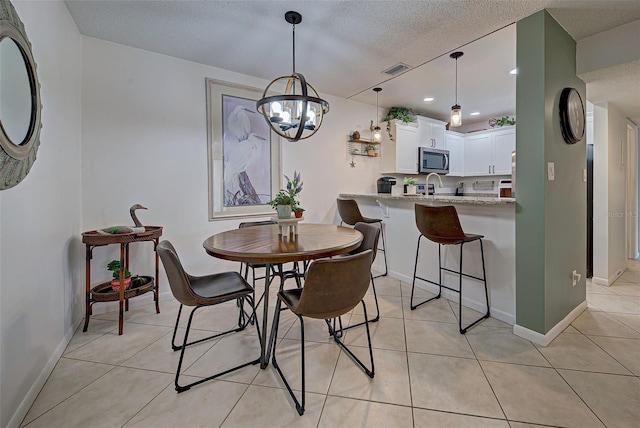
point(244, 154)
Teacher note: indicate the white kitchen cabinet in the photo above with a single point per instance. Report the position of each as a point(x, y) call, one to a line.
point(401, 155)
point(504, 143)
point(478, 154)
point(432, 133)
point(455, 144)
point(489, 153)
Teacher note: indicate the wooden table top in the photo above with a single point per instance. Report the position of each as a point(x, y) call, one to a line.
point(262, 244)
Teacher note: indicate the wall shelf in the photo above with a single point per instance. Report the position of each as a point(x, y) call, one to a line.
point(358, 148)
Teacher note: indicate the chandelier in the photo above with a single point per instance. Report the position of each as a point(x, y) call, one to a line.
point(297, 113)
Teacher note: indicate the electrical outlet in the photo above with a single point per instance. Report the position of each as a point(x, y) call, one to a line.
point(575, 278)
point(551, 171)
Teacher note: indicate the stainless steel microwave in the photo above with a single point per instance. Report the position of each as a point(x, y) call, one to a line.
point(433, 160)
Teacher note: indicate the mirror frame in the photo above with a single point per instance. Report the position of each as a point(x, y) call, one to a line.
point(16, 159)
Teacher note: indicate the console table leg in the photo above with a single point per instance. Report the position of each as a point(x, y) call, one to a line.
point(87, 313)
point(156, 291)
point(121, 300)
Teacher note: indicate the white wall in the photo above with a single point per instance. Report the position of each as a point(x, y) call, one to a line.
point(609, 216)
point(144, 140)
point(41, 264)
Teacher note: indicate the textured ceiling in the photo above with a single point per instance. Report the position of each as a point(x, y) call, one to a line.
point(342, 46)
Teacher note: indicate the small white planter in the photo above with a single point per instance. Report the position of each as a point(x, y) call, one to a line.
point(284, 211)
point(411, 190)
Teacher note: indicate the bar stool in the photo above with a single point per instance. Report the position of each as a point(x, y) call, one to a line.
point(442, 225)
point(350, 214)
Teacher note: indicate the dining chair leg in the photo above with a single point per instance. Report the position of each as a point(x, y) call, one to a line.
point(377, 317)
point(486, 292)
point(383, 250)
point(299, 404)
point(369, 371)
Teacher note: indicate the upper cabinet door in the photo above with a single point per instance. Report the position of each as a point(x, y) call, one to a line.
point(407, 143)
point(504, 143)
point(455, 146)
point(437, 135)
point(478, 155)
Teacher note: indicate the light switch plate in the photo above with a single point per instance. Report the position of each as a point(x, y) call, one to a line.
point(551, 173)
point(584, 175)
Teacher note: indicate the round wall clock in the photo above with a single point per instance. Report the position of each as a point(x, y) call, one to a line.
point(572, 117)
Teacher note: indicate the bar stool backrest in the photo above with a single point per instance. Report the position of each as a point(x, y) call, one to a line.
point(349, 211)
point(369, 240)
point(335, 286)
point(439, 224)
point(178, 278)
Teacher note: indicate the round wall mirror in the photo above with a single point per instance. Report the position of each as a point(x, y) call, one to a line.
point(16, 106)
point(20, 107)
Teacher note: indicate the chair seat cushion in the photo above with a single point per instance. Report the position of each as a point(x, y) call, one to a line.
point(291, 298)
point(220, 286)
point(371, 220)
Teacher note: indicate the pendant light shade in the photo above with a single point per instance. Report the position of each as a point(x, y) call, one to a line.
point(377, 135)
point(456, 110)
point(297, 113)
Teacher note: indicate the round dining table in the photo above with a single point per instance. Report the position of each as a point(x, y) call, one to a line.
point(263, 244)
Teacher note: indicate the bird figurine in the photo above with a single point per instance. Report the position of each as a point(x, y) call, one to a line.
point(138, 228)
point(132, 211)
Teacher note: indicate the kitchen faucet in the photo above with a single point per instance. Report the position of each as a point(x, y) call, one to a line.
point(439, 180)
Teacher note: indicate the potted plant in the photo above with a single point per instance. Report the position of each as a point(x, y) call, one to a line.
point(114, 267)
point(285, 200)
point(506, 120)
point(355, 135)
point(398, 113)
point(410, 182)
point(371, 150)
point(297, 211)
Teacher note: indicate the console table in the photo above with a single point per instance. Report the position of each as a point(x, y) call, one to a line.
point(102, 292)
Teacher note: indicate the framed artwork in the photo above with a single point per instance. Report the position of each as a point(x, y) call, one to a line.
point(244, 154)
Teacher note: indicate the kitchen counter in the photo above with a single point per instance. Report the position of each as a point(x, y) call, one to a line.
point(478, 200)
point(489, 216)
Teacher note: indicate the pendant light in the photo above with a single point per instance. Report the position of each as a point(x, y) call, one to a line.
point(377, 135)
point(297, 113)
point(456, 110)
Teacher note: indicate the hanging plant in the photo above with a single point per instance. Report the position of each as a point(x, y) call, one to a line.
point(506, 120)
point(398, 113)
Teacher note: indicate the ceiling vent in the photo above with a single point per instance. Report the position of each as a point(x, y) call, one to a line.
point(396, 69)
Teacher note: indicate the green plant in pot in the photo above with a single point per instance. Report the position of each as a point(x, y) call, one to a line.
point(355, 135)
point(371, 150)
point(298, 210)
point(398, 113)
point(285, 199)
point(506, 120)
point(410, 182)
point(114, 267)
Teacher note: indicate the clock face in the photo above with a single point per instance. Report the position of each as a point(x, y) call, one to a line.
point(572, 117)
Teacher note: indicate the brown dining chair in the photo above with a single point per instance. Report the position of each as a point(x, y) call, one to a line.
point(199, 292)
point(333, 287)
point(442, 226)
point(370, 236)
point(350, 214)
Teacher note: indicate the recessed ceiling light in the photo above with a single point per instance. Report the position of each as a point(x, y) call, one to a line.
point(514, 71)
point(475, 113)
point(428, 99)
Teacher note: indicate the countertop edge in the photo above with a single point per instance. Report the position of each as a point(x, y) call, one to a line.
point(431, 198)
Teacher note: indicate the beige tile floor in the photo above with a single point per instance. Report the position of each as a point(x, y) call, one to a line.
point(427, 374)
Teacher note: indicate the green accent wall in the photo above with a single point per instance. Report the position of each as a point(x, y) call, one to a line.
point(550, 215)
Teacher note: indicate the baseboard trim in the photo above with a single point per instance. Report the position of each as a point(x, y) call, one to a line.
point(450, 295)
point(546, 339)
point(37, 385)
point(613, 278)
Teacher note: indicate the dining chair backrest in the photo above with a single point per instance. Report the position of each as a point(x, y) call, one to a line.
point(335, 286)
point(439, 224)
point(255, 223)
point(349, 211)
point(178, 278)
point(370, 234)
